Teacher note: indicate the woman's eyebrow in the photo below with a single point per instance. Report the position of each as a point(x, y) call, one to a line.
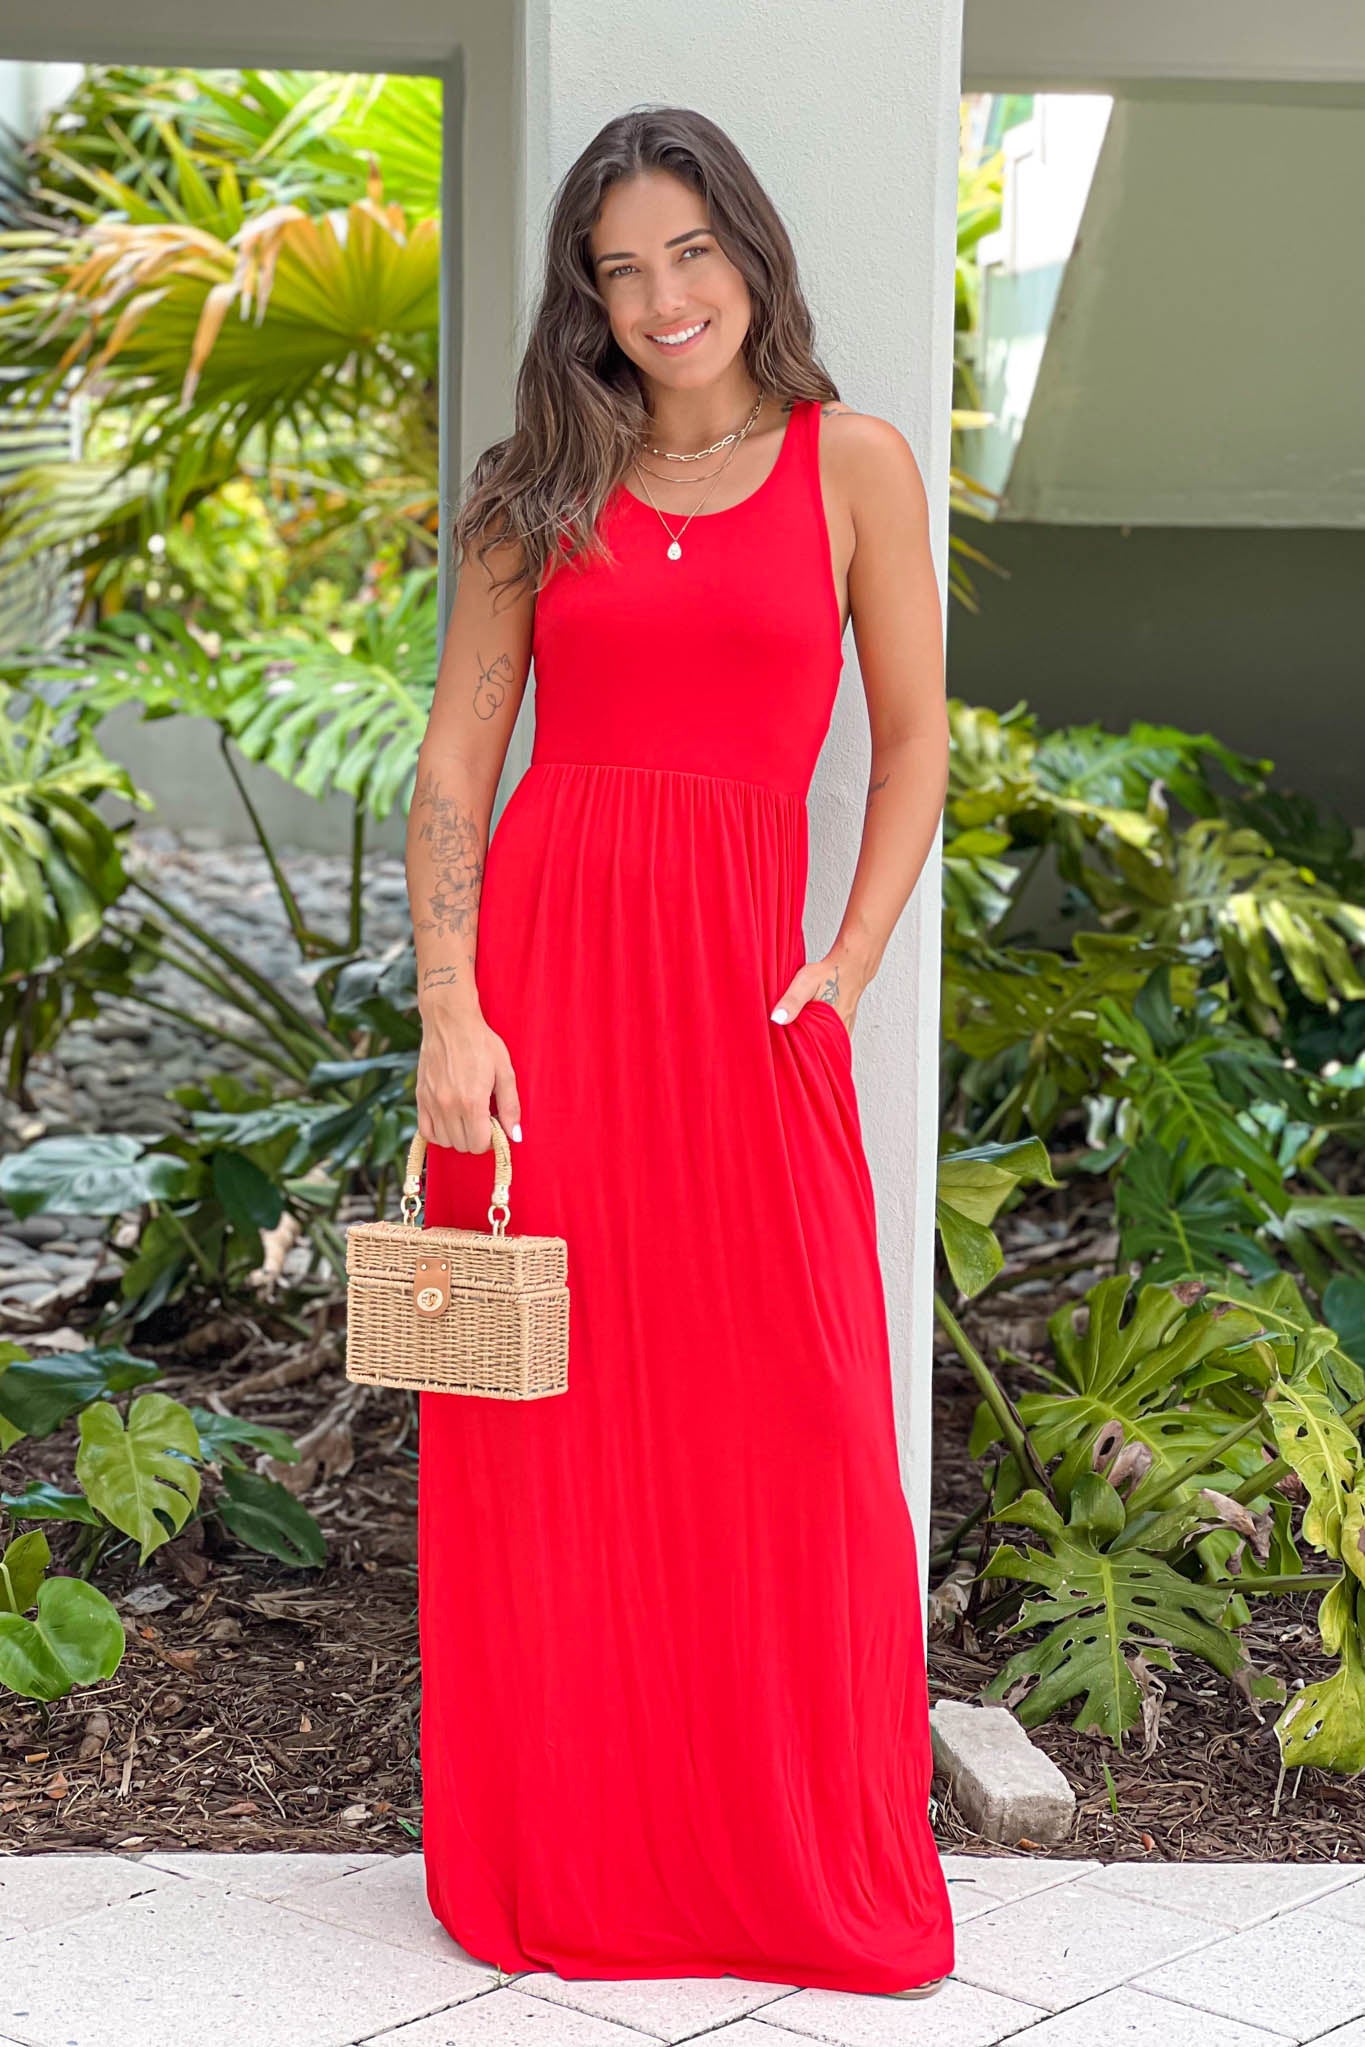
point(615, 255)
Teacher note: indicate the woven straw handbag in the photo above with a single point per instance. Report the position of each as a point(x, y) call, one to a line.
point(443, 1310)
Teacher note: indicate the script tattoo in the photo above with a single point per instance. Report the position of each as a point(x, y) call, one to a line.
point(457, 863)
point(876, 789)
point(490, 691)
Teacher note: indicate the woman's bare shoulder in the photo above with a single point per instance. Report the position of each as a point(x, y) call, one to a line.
point(866, 440)
point(870, 459)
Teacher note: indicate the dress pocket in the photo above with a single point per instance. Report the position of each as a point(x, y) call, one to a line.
point(840, 1028)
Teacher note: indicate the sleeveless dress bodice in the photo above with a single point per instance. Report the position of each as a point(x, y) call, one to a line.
point(725, 662)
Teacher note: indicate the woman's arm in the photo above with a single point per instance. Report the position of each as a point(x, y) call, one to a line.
point(479, 687)
point(898, 629)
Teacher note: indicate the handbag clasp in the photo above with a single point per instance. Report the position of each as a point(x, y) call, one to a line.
point(431, 1286)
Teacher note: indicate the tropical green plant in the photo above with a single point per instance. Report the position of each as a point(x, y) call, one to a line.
point(1149, 1467)
point(140, 1481)
point(236, 304)
point(76, 1636)
point(1324, 1723)
point(207, 1193)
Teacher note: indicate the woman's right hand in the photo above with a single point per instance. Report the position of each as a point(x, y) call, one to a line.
point(463, 1063)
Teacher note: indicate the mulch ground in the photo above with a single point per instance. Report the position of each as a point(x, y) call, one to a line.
point(264, 1707)
point(257, 1706)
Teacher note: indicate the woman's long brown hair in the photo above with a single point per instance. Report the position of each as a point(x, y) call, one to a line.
point(580, 410)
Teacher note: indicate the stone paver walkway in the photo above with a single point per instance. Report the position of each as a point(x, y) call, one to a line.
point(331, 1950)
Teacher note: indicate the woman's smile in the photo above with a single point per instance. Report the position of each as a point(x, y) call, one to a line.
point(678, 340)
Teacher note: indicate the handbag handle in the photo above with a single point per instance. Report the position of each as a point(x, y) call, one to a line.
point(502, 1180)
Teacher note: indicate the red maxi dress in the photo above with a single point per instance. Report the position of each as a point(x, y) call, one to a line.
point(674, 1710)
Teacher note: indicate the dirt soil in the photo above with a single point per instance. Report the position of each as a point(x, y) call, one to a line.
point(264, 1707)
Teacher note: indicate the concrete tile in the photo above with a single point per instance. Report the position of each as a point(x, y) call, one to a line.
point(267, 1875)
point(506, 2018)
point(1234, 1894)
point(1061, 1946)
point(1347, 1903)
point(749, 2033)
point(1295, 1975)
point(193, 1965)
point(958, 2016)
point(43, 1890)
point(665, 2007)
point(1134, 2018)
point(1006, 1877)
point(388, 1901)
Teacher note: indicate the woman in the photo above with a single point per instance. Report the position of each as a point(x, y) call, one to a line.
point(674, 1716)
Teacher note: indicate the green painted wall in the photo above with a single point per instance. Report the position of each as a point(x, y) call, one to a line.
point(1257, 635)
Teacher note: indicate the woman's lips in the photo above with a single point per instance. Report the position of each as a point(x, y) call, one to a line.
point(680, 347)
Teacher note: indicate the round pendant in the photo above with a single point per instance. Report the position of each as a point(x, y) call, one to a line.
point(675, 551)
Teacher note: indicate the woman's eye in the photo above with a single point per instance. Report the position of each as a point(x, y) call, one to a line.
point(692, 249)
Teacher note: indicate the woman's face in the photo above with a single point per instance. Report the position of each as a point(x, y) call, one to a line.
point(662, 273)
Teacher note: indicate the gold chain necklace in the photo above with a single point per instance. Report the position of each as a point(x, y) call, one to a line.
point(674, 549)
point(716, 446)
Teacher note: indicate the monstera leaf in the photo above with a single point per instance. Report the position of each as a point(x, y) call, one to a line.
point(1225, 885)
point(972, 1184)
point(1081, 776)
point(1100, 1607)
point(1290, 1322)
point(1186, 1093)
point(89, 1173)
point(1087, 768)
point(1325, 1453)
point(21, 1571)
point(990, 764)
point(1324, 1724)
point(38, 1394)
point(1041, 1010)
point(1130, 1378)
point(141, 1478)
point(1180, 1223)
point(978, 882)
point(76, 1639)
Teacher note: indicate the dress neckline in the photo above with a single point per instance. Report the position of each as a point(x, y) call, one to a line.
point(757, 492)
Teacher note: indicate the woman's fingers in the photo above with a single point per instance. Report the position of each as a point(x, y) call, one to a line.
point(459, 1071)
point(798, 993)
point(817, 981)
point(506, 1096)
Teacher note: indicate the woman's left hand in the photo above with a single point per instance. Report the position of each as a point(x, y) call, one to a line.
point(826, 980)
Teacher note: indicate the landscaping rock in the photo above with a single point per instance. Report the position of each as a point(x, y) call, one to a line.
point(1005, 1789)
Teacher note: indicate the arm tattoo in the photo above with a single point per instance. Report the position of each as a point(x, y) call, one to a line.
point(457, 861)
point(829, 989)
point(876, 789)
point(490, 691)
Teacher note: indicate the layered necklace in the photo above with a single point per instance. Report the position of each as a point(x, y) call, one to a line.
point(728, 441)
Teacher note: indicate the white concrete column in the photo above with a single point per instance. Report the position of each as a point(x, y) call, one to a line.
point(849, 116)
